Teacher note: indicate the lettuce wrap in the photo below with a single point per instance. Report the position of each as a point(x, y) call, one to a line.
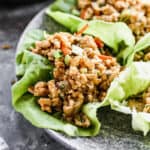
point(117, 36)
point(32, 68)
point(132, 81)
point(125, 11)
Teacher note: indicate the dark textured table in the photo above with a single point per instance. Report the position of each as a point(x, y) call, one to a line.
point(14, 129)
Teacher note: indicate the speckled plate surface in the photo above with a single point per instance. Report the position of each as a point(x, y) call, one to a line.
point(116, 132)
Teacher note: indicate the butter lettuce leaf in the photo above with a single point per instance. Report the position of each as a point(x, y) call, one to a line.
point(63, 5)
point(133, 80)
point(141, 45)
point(69, 21)
point(27, 42)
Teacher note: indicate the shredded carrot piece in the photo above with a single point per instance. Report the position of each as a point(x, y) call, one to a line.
point(82, 29)
point(64, 48)
point(99, 43)
point(104, 57)
point(83, 13)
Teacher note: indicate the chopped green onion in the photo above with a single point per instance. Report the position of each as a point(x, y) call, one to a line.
point(125, 16)
point(67, 59)
point(62, 86)
point(57, 54)
point(83, 70)
point(99, 73)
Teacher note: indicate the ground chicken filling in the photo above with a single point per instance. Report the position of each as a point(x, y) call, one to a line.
point(142, 55)
point(82, 73)
point(136, 13)
point(141, 102)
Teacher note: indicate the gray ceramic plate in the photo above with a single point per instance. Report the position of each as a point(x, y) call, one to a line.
point(116, 132)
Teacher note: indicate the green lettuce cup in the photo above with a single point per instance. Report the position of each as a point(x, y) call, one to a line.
point(129, 94)
point(32, 68)
point(134, 14)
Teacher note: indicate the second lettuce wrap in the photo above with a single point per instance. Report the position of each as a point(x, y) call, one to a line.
point(132, 81)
